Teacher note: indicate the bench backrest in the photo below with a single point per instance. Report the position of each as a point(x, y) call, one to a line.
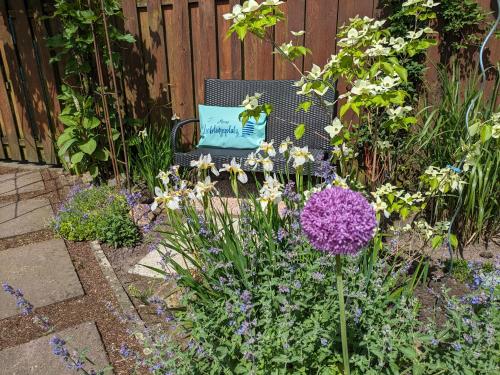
point(284, 99)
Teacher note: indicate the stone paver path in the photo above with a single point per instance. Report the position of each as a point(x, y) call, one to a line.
point(24, 216)
point(21, 182)
point(43, 271)
point(36, 358)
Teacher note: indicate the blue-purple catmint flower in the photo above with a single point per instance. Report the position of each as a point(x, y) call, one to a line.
point(338, 221)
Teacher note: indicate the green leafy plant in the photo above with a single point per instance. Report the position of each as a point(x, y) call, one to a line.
point(82, 139)
point(150, 152)
point(83, 146)
point(96, 213)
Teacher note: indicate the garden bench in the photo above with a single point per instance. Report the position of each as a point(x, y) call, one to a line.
point(282, 121)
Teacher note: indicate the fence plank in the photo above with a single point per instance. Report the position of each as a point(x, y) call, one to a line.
point(12, 71)
point(295, 21)
point(258, 58)
point(157, 69)
point(180, 64)
point(133, 72)
point(203, 21)
point(229, 48)
point(49, 83)
point(321, 26)
point(35, 92)
point(8, 122)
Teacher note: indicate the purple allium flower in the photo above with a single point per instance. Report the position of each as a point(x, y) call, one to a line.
point(338, 221)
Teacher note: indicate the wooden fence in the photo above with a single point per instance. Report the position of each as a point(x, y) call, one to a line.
point(179, 43)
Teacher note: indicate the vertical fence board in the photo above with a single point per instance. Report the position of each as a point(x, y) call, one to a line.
point(180, 64)
point(8, 122)
point(12, 70)
point(203, 21)
point(34, 93)
point(295, 21)
point(229, 49)
point(321, 27)
point(157, 69)
point(134, 77)
point(258, 58)
point(48, 82)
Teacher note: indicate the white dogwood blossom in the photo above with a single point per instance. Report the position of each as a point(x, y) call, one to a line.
point(334, 128)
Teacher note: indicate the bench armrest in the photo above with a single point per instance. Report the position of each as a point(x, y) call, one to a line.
point(175, 129)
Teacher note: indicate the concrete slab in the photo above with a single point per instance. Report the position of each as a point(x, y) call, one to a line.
point(36, 357)
point(24, 216)
point(43, 271)
point(20, 182)
point(154, 259)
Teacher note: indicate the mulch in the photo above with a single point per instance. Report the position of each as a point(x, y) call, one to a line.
point(94, 305)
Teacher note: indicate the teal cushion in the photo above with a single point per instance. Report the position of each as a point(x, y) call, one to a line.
point(221, 127)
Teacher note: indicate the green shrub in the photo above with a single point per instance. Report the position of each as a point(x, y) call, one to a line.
point(96, 213)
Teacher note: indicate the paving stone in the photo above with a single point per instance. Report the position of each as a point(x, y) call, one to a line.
point(24, 216)
point(36, 357)
point(20, 182)
point(154, 259)
point(43, 271)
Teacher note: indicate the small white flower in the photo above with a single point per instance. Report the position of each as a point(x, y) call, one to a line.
point(175, 117)
point(235, 169)
point(202, 188)
point(415, 35)
point(272, 2)
point(380, 205)
point(250, 6)
point(495, 131)
point(267, 164)
point(205, 163)
point(334, 128)
point(298, 33)
point(300, 156)
point(270, 192)
point(164, 178)
point(268, 148)
point(252, 159)
point(285, 145)
point(251, 102)
point(143, 133)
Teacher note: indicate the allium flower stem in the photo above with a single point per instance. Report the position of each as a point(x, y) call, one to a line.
point(343, 331)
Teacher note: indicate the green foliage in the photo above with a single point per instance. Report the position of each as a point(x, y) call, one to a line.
point(443, 138)
point(150, 152)
point(83, 140)
point(462, 21)
point(96, 213)
point(83, 145)
point(460, 270)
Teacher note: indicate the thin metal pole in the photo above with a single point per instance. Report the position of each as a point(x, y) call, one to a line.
point(105, 104)
point(117, 99)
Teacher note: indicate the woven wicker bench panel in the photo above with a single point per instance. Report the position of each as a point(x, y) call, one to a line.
point(282, 95)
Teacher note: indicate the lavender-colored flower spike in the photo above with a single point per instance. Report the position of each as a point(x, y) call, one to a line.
point(338, 221)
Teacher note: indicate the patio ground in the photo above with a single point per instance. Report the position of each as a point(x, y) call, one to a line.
point(64, 281)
